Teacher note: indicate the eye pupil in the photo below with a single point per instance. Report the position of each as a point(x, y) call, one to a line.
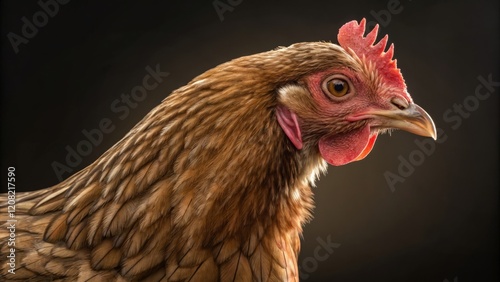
point(338, 85)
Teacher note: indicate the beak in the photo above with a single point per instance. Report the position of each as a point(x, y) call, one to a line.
point(413, 119)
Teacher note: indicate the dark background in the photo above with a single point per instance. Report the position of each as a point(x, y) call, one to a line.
point(440, 223)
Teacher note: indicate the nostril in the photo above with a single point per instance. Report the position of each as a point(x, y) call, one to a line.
point(401, 103)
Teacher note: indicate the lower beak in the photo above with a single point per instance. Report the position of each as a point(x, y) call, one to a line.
point(413, 119)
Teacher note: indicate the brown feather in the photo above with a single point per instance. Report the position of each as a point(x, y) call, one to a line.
point(57, 229)
point(105, 256)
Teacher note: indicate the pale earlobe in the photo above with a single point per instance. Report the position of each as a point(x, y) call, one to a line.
point(290, 125)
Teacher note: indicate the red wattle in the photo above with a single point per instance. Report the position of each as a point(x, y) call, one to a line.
point(347, 147)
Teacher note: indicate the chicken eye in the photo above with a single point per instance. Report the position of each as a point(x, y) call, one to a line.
point(337, 87)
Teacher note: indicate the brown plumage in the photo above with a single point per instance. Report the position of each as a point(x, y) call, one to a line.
point(214, 184)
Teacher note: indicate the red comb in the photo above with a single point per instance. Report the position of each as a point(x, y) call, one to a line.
point(351, 36)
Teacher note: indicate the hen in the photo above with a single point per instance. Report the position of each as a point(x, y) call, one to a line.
point(214, 184)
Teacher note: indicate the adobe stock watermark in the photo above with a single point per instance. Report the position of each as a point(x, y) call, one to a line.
point(453, 116)
point(30, 27)
point(322, 252)
point(384, 16)
point(223, 6)
point(121, 107)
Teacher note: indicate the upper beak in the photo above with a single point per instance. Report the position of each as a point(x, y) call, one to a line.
point(413, 119)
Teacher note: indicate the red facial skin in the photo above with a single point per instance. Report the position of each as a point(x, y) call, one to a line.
point(343, 148)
